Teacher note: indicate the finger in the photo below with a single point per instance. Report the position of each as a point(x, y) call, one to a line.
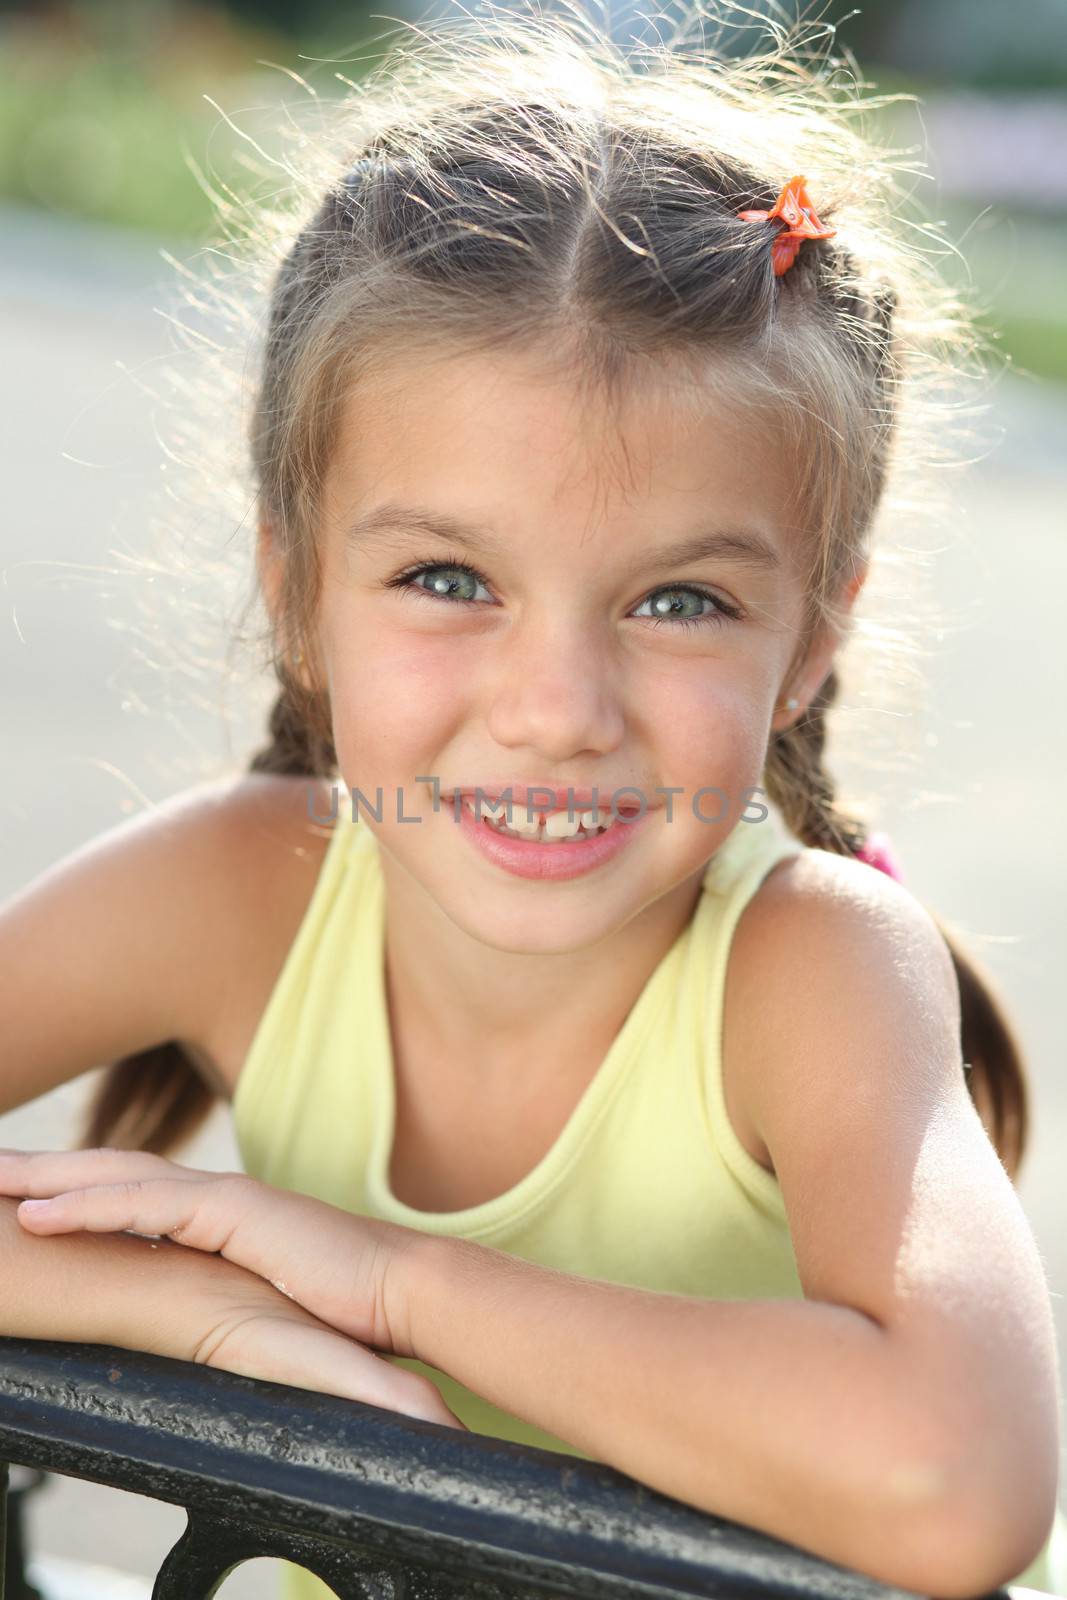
point(193, 1214)
point(310, 1357)
point(42, 1173)
point(227, 1214)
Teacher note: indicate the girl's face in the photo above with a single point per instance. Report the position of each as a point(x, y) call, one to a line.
point(578, 651)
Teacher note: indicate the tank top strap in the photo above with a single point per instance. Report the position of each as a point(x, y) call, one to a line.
point(296, 1075)
point(731, 879)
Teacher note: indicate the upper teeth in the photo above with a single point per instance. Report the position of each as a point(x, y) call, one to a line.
point(528, 822)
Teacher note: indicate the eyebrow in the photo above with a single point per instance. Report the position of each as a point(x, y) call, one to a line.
point(391, 523)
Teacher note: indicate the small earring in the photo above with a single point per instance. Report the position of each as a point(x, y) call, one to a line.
point(298, 656)
point(792, 703)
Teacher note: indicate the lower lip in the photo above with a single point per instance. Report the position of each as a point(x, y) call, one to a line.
point(525, 858)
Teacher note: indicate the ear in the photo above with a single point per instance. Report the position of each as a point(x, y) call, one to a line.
point(851, 590)
point(269, 566)
point(805, 685)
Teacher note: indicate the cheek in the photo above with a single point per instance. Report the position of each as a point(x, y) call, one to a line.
point(705, 720)
point(390, 691)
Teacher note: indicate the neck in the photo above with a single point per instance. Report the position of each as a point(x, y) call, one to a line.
point(486, 1011)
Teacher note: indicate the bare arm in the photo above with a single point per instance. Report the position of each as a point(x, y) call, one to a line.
point(126, 943)
point(108, 951)
point(902, 1419)
point(108, 1289)
point(143, 934)
point(800, 1418)
point(144, 1294)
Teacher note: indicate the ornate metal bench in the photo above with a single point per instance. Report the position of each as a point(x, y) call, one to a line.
point(380, 1506)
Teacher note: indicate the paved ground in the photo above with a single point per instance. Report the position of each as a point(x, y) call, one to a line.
point(975, 817)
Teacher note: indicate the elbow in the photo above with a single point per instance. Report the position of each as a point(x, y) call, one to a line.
point(978, 1537)
point(984, 1503)
point(993, 1541)
point(1003, 1506)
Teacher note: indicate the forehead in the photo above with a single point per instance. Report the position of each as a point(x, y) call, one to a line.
point(508, 438)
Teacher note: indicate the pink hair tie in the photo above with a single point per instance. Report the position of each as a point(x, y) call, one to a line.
point(877, 852)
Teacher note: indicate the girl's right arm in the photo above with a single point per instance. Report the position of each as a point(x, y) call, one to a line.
point(124, 943)
point(120, 945)
point(143, 1294)
point(134, 939)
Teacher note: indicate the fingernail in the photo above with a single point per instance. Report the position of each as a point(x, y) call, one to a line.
point(34, 1205)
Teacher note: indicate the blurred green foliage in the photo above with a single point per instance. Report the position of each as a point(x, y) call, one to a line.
point(983, 43)
point(97, 106)
point(106, 113)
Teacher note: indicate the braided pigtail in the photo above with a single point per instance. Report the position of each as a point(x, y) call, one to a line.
point(152, 1100)
point(800, 786)
point(299, 744)
point(804, 791)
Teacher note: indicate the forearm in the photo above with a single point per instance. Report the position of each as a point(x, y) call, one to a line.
point(104, 1288)
point(796, 1417)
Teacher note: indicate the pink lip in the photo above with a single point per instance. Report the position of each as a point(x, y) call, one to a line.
point(551, 863)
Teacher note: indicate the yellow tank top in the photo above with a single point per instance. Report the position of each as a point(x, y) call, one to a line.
point(647, 1185)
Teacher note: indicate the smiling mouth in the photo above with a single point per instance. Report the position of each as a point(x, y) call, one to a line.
point(544, 827)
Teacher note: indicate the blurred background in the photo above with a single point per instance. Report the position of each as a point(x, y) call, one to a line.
point(118, 122)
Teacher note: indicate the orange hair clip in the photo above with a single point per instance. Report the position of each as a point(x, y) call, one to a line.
point(794, 210)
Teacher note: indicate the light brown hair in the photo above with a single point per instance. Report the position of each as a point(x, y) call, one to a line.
point(524, 184)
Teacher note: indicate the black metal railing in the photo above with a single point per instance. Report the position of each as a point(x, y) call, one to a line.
point(14, 1582)
point(378, 1505)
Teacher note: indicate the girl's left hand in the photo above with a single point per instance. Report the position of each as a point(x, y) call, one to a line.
point(341, 1267)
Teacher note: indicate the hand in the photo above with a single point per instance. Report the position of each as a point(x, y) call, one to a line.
point(333, 1263)
point(247, 1326)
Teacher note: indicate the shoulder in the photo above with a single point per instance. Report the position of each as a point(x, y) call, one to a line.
point(826, 950)
point(852, 912)
point(261, 853)
point(846, 1041)
point(257, 812)
point(154, 930)
point(225, 840)
point(897, 1203)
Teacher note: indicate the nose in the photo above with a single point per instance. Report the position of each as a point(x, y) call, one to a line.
point(554, 691)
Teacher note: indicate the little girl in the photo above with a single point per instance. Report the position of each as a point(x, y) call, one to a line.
point(592, 1089)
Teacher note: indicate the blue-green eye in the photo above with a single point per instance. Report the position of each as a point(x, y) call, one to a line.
point(445, 590)
point(670, 615)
